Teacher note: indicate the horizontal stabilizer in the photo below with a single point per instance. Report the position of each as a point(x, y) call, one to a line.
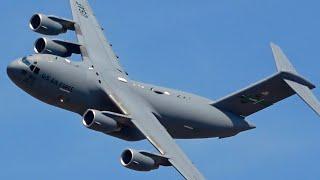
point(282, 62)
point(306, 95)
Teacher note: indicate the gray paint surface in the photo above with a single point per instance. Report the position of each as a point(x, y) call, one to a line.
point(145, 111)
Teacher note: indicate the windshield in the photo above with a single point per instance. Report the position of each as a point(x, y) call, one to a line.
point(25, 61)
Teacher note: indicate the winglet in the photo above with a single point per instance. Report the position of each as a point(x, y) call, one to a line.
point(289, 74)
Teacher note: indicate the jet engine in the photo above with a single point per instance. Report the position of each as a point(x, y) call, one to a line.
point(142, 161)
point(50, 25)
point(97, 121)
point(56, 47)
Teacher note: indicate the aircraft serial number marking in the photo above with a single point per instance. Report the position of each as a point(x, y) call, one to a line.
point(82, 10)
point(58, 84)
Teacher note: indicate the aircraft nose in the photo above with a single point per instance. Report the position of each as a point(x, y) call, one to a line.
point(14, 69)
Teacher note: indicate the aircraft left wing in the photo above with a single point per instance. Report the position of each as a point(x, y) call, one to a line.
point(158, 136)
point(143, 117)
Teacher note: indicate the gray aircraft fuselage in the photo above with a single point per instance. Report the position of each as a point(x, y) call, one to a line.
point(76, 87)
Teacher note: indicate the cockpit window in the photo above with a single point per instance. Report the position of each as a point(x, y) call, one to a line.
point(25, 61)
point(32, 67)
point(36, 70)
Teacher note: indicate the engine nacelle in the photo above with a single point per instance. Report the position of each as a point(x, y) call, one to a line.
point(136, 161)
point(142, 161)
point(97, 121)
point(50, 25)
point(56, 47)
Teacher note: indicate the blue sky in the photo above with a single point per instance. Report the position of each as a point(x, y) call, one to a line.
point(207, 47)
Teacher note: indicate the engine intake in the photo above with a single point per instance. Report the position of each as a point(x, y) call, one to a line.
point(142, 161)
point(56, 47)
point(97, 121)
point(50, 25)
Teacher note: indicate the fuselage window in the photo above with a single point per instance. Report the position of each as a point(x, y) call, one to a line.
point(160, 92)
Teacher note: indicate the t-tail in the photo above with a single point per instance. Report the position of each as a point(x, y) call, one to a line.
point(285, 83)
point(300, 85)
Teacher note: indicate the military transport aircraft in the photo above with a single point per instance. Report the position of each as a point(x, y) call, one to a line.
point(100, 89)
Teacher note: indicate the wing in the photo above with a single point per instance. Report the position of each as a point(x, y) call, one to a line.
point(95, 49)
point(158, 136)
point(142, 116)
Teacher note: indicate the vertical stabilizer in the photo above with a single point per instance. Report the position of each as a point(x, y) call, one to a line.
point(282, 62)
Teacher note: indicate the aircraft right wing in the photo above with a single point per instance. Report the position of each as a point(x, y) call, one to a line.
point(95, 47)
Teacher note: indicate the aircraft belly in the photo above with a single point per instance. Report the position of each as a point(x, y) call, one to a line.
point(193, 121)
point(188, 119)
